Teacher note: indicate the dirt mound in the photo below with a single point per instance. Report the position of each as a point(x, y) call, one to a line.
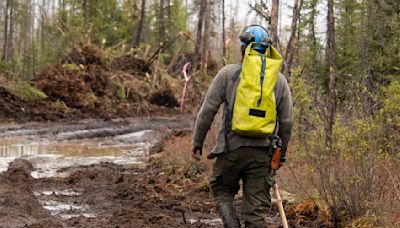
point(18, 206)
point(164, 98)
point(81, 86)
point(307, 214)
point(85, 55)
point(130, 63)
point(19, 170)
point(77, 88)
point(13, 107)
point(10, 105)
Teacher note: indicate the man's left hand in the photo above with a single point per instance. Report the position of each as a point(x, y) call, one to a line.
point(197, 152)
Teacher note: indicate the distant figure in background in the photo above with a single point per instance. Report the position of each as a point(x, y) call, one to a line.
point(256, 117)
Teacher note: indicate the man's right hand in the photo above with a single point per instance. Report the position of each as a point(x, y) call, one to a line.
point(197, 152)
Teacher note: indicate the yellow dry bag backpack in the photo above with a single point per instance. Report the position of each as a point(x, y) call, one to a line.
point(254, 110)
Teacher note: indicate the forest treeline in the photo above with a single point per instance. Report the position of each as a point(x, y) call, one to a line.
point(345, 81)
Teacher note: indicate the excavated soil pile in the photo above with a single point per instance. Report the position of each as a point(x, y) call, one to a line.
point(308, 214)
point(131, 64)
point(15, 108)
point(18, 205)
point(164, 98)
point(82, 85)
point(77, 88)
point(85, 55)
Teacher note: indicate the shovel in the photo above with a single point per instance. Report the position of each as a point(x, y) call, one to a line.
point(280, 206)
point(275, 164)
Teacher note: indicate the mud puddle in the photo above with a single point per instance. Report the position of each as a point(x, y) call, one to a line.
point(54, 148)
point(49, 158)
point(59, 150)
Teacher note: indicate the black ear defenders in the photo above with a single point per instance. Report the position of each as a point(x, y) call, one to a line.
point(247, 37)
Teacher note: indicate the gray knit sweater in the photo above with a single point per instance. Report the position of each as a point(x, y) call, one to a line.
point(222, 89)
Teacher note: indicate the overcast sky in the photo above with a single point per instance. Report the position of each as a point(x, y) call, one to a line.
point(246, 16)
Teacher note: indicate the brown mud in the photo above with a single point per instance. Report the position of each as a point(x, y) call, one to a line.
point(164, 193)
point(113, 196)
point(117, 197)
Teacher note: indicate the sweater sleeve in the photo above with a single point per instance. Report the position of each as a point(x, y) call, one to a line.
point(214, 98)
point(285, 117)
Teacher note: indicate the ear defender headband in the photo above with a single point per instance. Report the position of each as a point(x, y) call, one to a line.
point(256, 35)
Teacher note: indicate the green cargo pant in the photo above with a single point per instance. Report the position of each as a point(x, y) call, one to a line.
point(252, 165)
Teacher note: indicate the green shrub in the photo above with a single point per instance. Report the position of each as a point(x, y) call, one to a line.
point(71, 67)
point(119, 89)
point(351, 178)
point(389, 118)
point(24, 91)
point(89, 99)
point(61, 106)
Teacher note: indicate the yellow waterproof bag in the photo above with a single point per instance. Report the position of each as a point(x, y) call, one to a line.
point(254, 110)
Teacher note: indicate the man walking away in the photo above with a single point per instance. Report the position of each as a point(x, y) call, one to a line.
point(243, 154)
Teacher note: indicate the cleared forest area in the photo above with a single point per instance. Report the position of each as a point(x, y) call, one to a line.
point(88, 74)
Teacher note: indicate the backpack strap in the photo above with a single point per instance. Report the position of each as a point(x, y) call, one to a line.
point(228, 110)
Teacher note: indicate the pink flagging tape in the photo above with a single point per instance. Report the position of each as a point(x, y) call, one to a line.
point(186, 78)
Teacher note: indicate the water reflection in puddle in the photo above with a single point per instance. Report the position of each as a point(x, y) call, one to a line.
point(48, 158)
point(65, 192)
point(66, 210)
point(211, 222)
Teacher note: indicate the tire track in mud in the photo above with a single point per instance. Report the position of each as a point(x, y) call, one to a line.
point(59, 197)
point(92, 128)
point(104, 194)
point(122, 141)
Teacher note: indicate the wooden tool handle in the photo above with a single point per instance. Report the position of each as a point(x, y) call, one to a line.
point(280, 206)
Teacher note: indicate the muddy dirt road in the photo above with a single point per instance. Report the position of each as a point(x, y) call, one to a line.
point(87, 173)
point(53, 147)
point(100, 174)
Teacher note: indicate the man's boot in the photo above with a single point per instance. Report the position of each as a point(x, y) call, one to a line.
point(228, 214)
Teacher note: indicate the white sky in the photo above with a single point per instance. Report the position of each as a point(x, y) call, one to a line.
point(285, 15)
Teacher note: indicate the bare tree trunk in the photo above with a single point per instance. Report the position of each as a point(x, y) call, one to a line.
point(298, 34)
point(312, 26)
point(169, 13)
point(161, 28)
point(42, 25)
point(366, 80)
point(205, 45)
point(177, 54)
point(197, 51)
point(274, 22)
point(6, 19)
point(141, 21)
point(223, 33)
point(11, 34)
point(33, 54)
point(27, 37)
point(63, 17)
point(86, 14)
point(289, 47)
point(332, 73)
